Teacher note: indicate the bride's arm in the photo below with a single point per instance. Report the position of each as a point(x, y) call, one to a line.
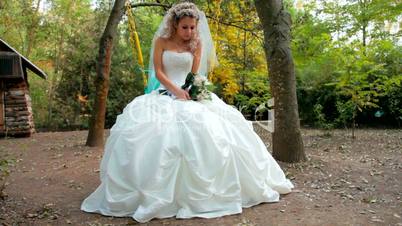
point(197, 58)
point(160, 74)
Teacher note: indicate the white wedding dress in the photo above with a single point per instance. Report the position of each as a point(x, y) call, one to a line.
point(167, 157)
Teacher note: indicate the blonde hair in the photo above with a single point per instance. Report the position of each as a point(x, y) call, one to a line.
point(175, 14)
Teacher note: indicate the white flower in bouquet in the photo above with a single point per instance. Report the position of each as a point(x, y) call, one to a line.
point(199, 80)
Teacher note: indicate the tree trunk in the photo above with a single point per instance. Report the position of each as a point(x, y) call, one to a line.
point(363, 7)
point(97, 124)
point(276, 22)
point(31, 34)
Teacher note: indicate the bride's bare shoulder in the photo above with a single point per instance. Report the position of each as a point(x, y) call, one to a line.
point(162, 42)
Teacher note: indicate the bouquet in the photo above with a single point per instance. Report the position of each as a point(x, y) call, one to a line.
point(199, 87)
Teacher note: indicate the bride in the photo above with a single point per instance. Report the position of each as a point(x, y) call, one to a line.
point(170, 156)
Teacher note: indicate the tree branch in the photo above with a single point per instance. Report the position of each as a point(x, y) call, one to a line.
point(135, 5)
point(231, 24)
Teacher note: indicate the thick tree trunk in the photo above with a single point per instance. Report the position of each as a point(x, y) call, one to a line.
point(97, 124)
point(276, 22)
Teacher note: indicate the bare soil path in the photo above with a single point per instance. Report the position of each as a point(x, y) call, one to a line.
point(345, 182)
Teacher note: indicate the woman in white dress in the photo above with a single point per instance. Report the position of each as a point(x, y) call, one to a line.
point(170, 156)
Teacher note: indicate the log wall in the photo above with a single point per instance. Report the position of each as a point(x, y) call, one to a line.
point(2, 126)
point(18, 115)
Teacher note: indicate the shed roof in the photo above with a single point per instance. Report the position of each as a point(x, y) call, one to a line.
point(25, 62)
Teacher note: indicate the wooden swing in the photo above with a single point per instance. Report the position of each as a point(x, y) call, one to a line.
point(136, 49)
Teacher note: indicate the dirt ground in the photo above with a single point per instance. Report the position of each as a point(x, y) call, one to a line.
point(345, 182)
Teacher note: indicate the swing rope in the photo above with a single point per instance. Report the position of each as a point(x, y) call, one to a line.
point(135, 41)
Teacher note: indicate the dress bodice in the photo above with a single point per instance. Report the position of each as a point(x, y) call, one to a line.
point(176, 66)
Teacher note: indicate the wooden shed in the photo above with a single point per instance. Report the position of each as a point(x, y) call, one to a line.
point(16, 118)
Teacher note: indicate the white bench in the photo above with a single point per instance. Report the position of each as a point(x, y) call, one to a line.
point(269, 124)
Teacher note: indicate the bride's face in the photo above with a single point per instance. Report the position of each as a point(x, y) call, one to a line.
point(186, 28)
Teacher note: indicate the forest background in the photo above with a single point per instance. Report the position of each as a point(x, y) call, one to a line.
point(348, 58)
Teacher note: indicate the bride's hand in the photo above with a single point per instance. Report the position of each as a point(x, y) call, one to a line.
point(182, 94)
